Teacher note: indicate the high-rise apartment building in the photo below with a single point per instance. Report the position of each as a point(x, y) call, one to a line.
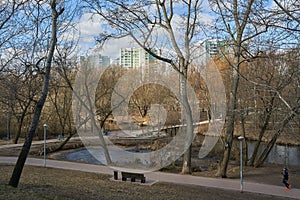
point(214, 47)
point(136, 58)
point(211, 48)
point(96, 60)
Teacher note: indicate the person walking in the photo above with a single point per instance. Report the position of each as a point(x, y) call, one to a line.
point(285, 174)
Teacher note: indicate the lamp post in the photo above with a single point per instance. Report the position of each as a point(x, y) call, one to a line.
point(240, 138)
point(45, 125)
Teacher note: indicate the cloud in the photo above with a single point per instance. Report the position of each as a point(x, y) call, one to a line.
point(89, 27)
point(112, 48)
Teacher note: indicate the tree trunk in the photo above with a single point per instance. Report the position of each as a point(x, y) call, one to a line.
point(230, 118)
point(262, 132)
point(15, 178)
point(8, 125)
point(21, 123)
point(257, 144)
point(63, 143)
point(267, 150)
point(187, 163)
point(241, 19)
point(19, 131)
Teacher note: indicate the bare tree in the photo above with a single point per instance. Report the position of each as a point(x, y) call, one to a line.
point(270, 79)
point(291, 13)
point(156, 25)
point(253, 27)
point(8, 13)
point(237, 22)
point(287, 95)
point(292, 114)
point(59, 110)
point(283, 41)
point(19, 93)
point(55, 13)
point(13, 70)
point(106, 86)
point(147, 95)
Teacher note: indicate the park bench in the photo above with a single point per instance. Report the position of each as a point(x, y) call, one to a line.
point(133, 176)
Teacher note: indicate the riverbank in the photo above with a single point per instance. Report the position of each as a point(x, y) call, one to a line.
point(268, 174)
point(290, 135)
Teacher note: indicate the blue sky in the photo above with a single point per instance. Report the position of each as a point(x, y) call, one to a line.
point(89, 28)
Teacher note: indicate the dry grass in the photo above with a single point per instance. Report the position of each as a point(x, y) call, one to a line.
point(47, 183)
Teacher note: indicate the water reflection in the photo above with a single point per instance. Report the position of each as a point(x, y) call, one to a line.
point(82, 155)
point(279, 155)
point(96, 156)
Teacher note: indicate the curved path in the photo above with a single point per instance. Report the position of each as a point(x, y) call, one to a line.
point(166, 177)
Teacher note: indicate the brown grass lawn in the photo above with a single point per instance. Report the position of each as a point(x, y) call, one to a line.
point(47, 183)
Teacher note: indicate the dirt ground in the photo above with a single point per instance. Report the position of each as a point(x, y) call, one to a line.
point(268, 174)
point(47, 183)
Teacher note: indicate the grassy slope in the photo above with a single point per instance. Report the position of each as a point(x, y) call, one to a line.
point(47, 183)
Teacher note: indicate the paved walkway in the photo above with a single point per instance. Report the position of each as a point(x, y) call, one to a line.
point(166, 177)
point(5, 146)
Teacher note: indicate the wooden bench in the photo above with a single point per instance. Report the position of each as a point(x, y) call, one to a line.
point(133, 176)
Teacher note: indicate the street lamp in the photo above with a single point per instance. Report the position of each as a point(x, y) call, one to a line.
point(240, 138)
point(45, 125)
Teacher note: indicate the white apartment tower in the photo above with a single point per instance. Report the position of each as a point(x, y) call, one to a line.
point(136, 58)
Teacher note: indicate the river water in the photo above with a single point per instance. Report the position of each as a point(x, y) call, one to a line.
point(280, 154)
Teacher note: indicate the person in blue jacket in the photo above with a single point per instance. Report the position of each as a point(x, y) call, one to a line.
point(285, 174)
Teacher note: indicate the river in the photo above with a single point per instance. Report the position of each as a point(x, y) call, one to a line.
point(279, 155)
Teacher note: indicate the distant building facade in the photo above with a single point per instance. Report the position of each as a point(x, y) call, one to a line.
point(214, 47)
point(211, 48)
point(136, 58)
point(96, 60)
